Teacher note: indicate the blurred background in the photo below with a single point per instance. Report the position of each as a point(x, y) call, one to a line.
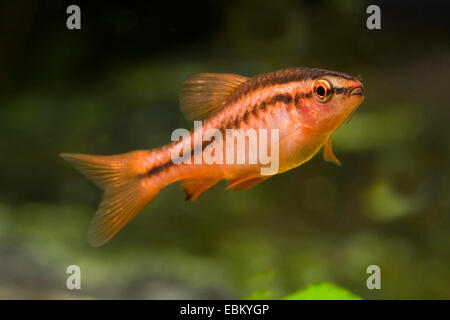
point(113, 87)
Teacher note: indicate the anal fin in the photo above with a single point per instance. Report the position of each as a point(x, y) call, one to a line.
point(195, 187)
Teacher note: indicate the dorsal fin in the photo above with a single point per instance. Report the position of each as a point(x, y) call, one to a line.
point(204, 93)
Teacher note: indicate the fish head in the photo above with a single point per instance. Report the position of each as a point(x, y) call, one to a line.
point(332, 98)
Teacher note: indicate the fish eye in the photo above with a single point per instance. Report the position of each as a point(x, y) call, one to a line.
point(322, 90)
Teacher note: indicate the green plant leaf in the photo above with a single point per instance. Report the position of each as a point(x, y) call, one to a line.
point(259, 294)
point(322, 291)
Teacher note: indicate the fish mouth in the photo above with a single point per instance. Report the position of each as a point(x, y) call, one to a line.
point(357, 91)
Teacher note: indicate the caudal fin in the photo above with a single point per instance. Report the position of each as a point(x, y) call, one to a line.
point(126, 193)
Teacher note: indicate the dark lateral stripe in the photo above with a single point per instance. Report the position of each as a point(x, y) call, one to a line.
point(157, 169)
point(306, 95)
point(236, 123)
point(302, 95)
point(342, 90)
point(255, 110)
point(246, 116)
point(285, 98)
point(283, 76)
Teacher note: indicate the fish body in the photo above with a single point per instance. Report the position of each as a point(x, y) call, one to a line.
point(302, 106)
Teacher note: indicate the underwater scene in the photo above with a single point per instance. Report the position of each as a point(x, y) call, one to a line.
point(357, 206)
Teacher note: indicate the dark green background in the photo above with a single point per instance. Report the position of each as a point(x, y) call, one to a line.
point(113, 87)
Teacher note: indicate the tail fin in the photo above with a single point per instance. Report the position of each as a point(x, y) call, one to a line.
point(126, 194)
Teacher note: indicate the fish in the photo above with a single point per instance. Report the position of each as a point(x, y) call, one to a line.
point(303, 106)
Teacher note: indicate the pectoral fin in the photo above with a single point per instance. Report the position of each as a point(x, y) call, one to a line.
point(195, 187)
point(328, 153)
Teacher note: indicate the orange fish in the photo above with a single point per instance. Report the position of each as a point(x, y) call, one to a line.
point(303, 106)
